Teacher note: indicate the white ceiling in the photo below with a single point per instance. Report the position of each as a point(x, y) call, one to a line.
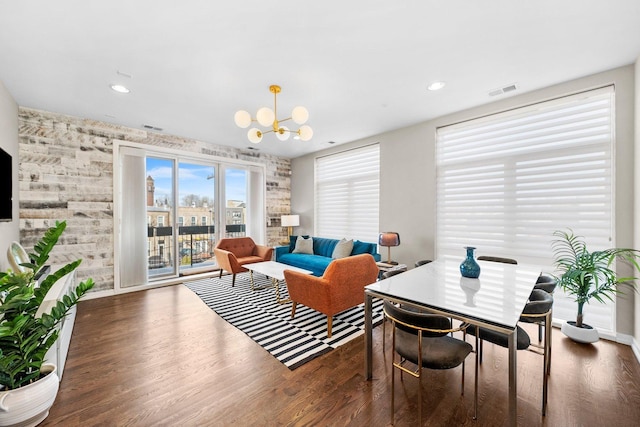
point(361, 67)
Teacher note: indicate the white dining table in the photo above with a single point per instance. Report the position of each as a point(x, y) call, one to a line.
point(495, 300)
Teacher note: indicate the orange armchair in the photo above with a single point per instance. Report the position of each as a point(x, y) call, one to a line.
point(340, 287)
point(232, 253)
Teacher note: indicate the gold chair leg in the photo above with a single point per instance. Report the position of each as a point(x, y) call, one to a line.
point(393, 371)
point(420, 377)
point(384, 335)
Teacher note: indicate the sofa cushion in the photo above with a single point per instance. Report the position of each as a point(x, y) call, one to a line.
point(304, 246)
point(293, 240)
point(363, 248)
point(343, 249)
point(249, 260)
point(323, 246)
point(316, 264)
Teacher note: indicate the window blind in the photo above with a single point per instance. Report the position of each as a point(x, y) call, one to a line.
point(347, 194)
point(506, 182)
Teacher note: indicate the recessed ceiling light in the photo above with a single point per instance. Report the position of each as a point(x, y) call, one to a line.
point(436, 85)
point(120, 89)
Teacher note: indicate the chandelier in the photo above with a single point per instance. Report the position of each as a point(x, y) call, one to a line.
point(269, 118)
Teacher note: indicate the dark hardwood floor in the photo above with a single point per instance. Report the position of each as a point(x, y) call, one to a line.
point(162, 358)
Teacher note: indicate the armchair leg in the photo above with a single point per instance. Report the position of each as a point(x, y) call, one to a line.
point(220, 276)
point(233, 280)
point(329, 325)
point(293, 309)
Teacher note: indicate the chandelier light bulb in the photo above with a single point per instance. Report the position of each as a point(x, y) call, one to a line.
point(300, 115)
point(242, 119)
point(254, 135)
point(283, 133)
point(266, 116)
point(306, 133)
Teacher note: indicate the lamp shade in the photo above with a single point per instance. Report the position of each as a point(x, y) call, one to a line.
point(389, 238)
point(290, 220)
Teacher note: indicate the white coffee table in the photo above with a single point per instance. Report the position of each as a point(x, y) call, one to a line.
point(275, 271)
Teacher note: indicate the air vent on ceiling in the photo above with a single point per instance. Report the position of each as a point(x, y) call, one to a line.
point(332, 142)
point(253, 149)
point(157, 129)
point(505, 89)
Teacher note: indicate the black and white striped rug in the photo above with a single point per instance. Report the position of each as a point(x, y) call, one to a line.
point(256, 313)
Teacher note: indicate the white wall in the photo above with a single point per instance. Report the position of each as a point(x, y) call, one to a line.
point(636, 216)
point(9, 231)
point(407, 173)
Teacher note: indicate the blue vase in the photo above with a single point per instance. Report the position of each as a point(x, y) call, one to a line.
point(469, 267)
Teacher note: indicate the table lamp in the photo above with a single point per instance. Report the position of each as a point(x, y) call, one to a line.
point(290, 221)
point(389, 239)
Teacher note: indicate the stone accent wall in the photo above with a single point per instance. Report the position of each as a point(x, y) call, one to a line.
point(66, 173)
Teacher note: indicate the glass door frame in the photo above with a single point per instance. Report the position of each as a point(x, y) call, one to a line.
point(258, 213)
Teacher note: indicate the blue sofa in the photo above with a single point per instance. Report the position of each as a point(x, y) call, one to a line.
point(322, 251)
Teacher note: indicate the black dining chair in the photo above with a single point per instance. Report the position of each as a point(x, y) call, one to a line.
point(547, 284)
point(422, 262)
point(421, 341)
point(537, 309)
point(544, 282)
point(497, 259)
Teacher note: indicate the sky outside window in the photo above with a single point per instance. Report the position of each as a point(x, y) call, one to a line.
point(194, 179)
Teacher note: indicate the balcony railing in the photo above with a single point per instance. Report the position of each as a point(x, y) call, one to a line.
point(195, 246)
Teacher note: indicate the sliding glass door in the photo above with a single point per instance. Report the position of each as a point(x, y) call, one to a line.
point(160, 177)
point(181, 224)
point(173, 210)
point(196, 216)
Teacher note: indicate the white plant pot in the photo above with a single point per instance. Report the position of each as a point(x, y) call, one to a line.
point(586, 334)
point(29, 405)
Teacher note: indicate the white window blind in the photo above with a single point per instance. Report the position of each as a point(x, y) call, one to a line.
point(347, 194)
point(506, 182)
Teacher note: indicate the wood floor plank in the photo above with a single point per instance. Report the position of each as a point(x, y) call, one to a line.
point(161, 357)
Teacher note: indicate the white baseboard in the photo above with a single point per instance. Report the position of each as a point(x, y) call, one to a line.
point(636, 349)
point(98, 294)
point(156, 284)
point(624, 339)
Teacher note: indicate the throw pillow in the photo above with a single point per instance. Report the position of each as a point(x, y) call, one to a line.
point(343, 249)
point(361, 247)
point(304, 246)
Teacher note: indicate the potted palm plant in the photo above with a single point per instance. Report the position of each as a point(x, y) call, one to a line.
point(28, 386)
point(588, 274)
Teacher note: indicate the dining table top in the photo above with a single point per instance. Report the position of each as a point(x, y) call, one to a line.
point(497, 297)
